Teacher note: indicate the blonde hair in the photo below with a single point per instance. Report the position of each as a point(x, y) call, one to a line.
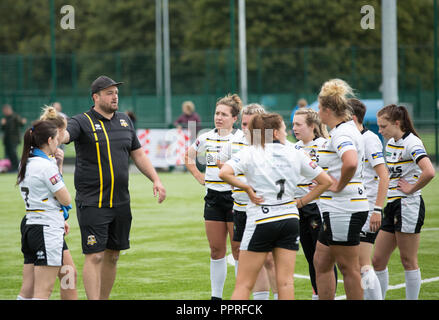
point(253, 108)
point(333, 95)
point(312, 118)
point(189, 105)
point(233, 101)
point(50, 114)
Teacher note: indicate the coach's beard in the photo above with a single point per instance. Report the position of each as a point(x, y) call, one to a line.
point(109, 107)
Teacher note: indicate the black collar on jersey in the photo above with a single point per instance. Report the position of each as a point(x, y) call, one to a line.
point(340, 124)
point(277, 141)
point(233, 131)
point(405, 135)
point(364, 130)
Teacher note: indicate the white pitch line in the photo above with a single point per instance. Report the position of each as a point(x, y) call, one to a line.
point(398, 286)
point(430, 229)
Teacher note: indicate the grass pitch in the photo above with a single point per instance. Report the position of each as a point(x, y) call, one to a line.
point(169, 254)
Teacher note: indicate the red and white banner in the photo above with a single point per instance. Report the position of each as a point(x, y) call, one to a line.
point(164, 147)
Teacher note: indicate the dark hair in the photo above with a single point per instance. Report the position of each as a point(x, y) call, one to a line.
point(358, 109)
point(261, 122)
point(35, 137)
point(392, 113)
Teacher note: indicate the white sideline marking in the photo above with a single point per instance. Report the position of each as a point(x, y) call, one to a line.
point(430, 229)
point(398, 286)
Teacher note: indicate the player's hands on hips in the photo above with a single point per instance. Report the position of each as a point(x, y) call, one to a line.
point(253, 197)
point(334, 185)
point(160, 189)
point(404, 186)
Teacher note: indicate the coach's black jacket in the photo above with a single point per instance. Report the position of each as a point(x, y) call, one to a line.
point(103, 149)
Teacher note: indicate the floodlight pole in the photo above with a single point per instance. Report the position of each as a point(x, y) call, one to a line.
point(158, 52)
point(389, 52)
point(53, 48)
point(436, 148)
point(242, 52)
point(232, 45)
point(167, 64)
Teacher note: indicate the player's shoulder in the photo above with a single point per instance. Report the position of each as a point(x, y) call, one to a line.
point(411, 139)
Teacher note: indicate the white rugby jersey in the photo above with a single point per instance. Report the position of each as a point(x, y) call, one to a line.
point(373, 156)
point(273, 173)
point(211, 143)
point(345, 136)
point(237, 143)
point(402, 157)
point(311, 149)
point(41, 181)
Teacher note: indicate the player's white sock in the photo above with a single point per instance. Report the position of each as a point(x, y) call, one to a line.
point(383, 277)
point(21, 298)
point(236, 268)
point(315, 297)
point(275, 296)
point(412, 284)
point(261, 295)
point(218, 273)
point(371, 285)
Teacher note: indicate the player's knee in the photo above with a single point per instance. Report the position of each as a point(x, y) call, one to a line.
point(409, 263)
point(378, 263)
point(95, 258)
point(112, 257)
point(217, 252)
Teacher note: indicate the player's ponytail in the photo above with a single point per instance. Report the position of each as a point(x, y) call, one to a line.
point(261, 126)
point(392, 113)
point(35, 137)
point(50, 113)
point(333, 95)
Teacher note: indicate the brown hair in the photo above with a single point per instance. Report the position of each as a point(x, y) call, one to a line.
point(35, 137)
point(333, 96)
point(312, 118)
point(259, 126)
point(392, 113)
point(50, 114)
point(358, 109)
point(233, 101)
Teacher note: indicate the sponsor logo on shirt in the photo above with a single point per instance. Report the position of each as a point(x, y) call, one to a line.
point(55, 179)
point(123, 123)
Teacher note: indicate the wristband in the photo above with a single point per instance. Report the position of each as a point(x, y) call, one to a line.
point(66, 211)
point(378, 209)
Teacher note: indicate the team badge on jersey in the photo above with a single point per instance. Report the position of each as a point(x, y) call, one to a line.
point(123, 123)
point(313, 165)
point(91, 240)
point(55, 179)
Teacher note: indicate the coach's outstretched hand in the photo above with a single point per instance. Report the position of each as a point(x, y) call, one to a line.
point(160, 189)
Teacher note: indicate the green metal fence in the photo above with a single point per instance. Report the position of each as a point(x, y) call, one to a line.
point(276, 78)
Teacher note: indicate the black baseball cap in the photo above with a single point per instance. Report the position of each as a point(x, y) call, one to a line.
point(103, 82)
